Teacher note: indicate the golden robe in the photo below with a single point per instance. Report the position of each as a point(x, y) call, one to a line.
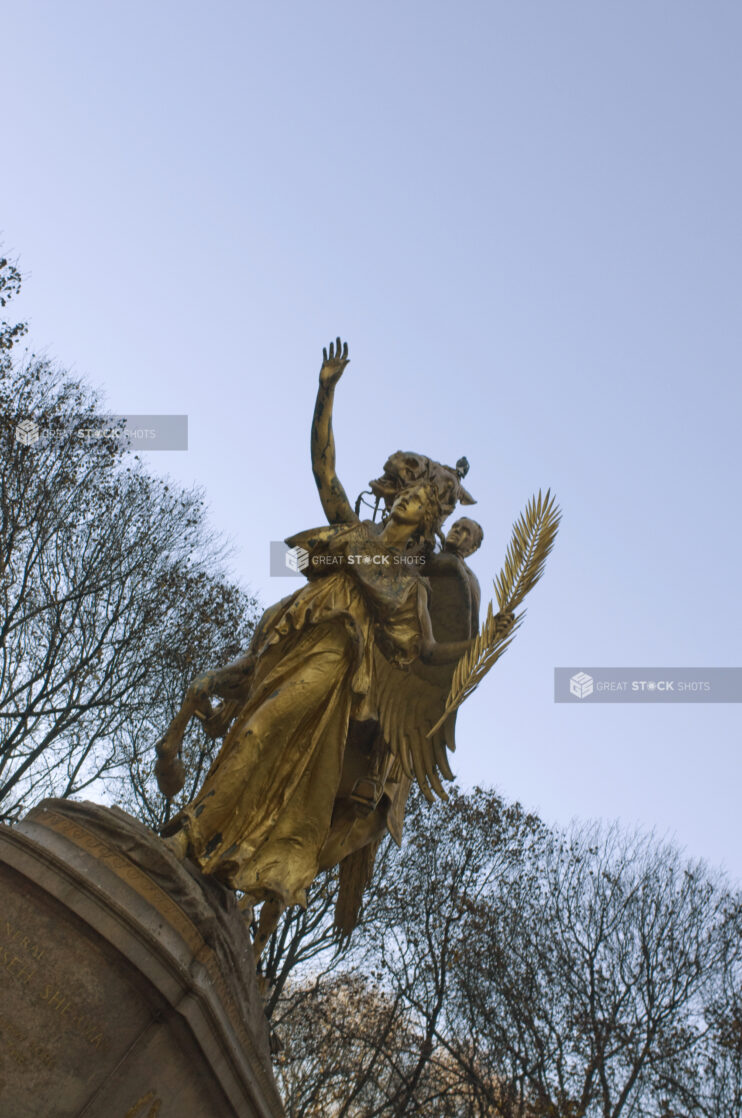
point(263, 814)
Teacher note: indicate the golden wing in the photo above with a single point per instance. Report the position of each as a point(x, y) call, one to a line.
point(411, 702)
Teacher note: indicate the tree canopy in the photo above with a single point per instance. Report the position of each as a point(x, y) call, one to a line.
point(113, 594)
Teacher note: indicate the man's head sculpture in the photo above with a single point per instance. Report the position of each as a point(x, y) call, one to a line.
point(464, 537)
point(406, 468)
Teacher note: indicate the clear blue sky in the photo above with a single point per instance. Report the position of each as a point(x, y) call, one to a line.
point(524, 217)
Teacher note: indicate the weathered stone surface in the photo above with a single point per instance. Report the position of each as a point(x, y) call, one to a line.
point(128, 987)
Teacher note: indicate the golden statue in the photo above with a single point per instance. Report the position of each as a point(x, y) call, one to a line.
point(349, 689)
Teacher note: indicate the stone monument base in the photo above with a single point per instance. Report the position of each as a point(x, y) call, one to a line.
point(128, 981)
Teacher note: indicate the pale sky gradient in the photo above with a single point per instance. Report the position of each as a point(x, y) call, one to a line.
point(524, 217)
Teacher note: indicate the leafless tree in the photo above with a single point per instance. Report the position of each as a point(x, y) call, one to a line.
point(383, 1020)
point(604, 984)
point(512, 971)
point(112, 594)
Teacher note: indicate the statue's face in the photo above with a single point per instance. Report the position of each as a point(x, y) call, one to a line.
point(412, 506)
point(464, 537)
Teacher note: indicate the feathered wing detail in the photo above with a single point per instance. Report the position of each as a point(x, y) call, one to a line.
point(534, 534)
point(409, 703)
point(417, 708)
point(356, 871)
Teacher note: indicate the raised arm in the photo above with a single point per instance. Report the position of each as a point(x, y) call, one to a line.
point(335, 503)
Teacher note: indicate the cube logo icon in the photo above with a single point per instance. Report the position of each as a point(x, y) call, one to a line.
point(27, 432)
point(297, 559)
point(581, 685)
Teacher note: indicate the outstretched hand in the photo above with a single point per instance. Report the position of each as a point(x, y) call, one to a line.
point(333, 364)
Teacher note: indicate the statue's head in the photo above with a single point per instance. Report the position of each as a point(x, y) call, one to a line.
point(464, 537)
point(418, 507)
point(405, 468)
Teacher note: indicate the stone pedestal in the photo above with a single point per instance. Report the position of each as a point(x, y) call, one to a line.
point(127, 985)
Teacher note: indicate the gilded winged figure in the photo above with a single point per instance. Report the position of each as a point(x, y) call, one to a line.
point(349, 689)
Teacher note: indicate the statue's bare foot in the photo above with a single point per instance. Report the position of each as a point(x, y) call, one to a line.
point(270, 914)
point(170, 773)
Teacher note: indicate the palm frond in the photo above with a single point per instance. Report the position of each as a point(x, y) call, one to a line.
point(534, 535)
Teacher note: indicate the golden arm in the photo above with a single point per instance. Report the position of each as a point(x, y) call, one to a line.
point(337, 507)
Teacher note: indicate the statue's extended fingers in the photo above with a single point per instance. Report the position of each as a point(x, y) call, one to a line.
point(324, 356)
point(339, 349)
point(345, 351)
